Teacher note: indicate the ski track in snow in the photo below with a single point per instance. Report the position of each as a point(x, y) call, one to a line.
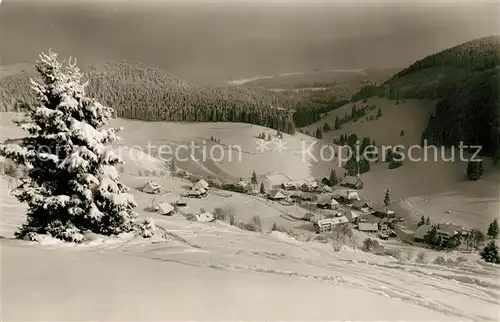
point(397, 280)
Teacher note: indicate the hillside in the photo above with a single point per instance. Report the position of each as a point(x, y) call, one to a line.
point(145, 93)
point(464, 81)
point(143, 142)
point(201, 264)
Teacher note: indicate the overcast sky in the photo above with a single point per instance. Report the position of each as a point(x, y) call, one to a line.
point(217, 39)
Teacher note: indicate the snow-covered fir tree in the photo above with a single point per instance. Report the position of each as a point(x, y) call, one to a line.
point(72, 184)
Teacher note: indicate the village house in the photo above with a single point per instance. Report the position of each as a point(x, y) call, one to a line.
point(351, 215)
point(347, 197)
point(328, 224)
point(182, 202)
point(152, 188)
point(166, 209)
point(205, 217)
point(200, 184)
point(214, 182)
point(325, 181)
point(368, 223)
point(309, 186)
point(288, 186)
point(352, 182)
point(241, 186)
point(276, 195)
point(327, 202)
point(361, 205)
point(323, 189)
point(383, 212)
point(444, 232)
point(310, 217)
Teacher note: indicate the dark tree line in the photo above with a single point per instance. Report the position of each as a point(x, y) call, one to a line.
point(140, 92)
point(464, 79)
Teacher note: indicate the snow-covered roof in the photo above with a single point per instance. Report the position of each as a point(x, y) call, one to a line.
point(200, 184)
point(165, 207)
point(205, 217)
point(276, 194)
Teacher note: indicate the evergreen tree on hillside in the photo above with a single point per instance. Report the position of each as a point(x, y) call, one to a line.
point(326, 127)
point(493, 229)
point(396, 159)
point(262, 188)
point(428, 221)
point(402, 133)
point(172, 167)
point(364, 165)
point(474, 170)
point(352, 166)
point(379, 112)
point(333, 178)
point(387, 198)
point(432, 238)
point(337, 123)
point(388, 156)
point(72, 184)
point(253, 180)
point(490, 253)
point(421, 222)
point(319, 133)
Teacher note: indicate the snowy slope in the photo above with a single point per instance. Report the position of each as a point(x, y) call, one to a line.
point(212, 271)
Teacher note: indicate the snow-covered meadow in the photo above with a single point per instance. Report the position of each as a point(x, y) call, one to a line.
point(213, 271)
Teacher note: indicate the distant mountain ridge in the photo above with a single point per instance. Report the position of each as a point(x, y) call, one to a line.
point(141, 92)
point(465, 81)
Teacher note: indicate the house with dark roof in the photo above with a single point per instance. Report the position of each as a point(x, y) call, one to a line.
point(361, 205)
point(309, 186)
point(383, 212)
point(444, 232)
point(326, 201)
point(352, 182)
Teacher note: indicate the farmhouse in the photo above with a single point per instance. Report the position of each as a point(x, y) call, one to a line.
point(444, 231)
point(309, 186)
point(368, 223)
point(327, 202)
point(383, 212)
point(361, 205)
point(352, 182)
point(347, 196)
point(166, 209)
point(151, 187)
point(368, 226)
point(323, 189)
point(288, 186)
point(182, 202)
point(328, 224)
point(276, 195)
point(197, 193)
point(310, 217)
point(200, 184)
point(351, 215)
point(268, 184)
point(205, 217)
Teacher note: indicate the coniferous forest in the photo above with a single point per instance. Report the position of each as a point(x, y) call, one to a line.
point(465, 82)
point(137, 91)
